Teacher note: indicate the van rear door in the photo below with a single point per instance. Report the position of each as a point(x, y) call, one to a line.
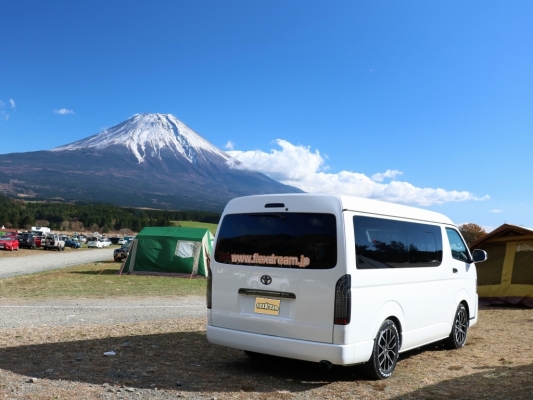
point(274, 273)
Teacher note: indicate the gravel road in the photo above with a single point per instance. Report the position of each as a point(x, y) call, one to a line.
point(67, 312)
point(98, 311)
point(45, 261)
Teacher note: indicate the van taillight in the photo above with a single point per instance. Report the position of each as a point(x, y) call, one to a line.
point(209, 292)
point(343, 301)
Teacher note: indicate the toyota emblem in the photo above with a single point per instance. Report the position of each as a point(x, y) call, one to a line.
point(266, 280)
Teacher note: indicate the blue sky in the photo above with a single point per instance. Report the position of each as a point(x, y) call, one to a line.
point(390, 100)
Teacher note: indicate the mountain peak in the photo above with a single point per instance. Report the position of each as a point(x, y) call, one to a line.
point(147, 135)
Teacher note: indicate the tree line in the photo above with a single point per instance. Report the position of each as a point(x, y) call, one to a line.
point(21, 214)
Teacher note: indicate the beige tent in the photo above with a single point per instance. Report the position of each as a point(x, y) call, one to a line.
point(507, 275)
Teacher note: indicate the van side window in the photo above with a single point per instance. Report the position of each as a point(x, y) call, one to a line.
point(459, 250)
point(384, 243)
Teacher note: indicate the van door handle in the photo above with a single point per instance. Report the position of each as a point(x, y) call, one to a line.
point(455, 270)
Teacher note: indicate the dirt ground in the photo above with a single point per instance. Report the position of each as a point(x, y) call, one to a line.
point(172, 359)
point(31, 252)
point(20, 252)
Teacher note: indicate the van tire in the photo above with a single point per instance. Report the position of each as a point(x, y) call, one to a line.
point(386, 350)
point(460, 326)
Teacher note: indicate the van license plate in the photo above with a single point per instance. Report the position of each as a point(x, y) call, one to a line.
point(266, 306)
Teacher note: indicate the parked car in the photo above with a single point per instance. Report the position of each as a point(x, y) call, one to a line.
point(53, 242)
point(82, 238)
point(72, 244)
point(98, 242)
point(94, 242)
point(121, 241)
point(9, 243)
point(27, 240)
point(129, 238)
point(38, 240)
point(122, 252)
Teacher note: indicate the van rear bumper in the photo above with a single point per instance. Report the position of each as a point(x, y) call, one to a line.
point(291, 348)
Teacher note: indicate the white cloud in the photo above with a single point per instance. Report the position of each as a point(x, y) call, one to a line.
point(2, 103)
point(496, 211)
point(12, 102)
point(230, 145)
point(299, 166)
point(381, 176)
point(63, 111)
point(291, 163)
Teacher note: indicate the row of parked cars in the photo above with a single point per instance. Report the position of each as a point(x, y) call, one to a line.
point(12, 241)
point(47, 241)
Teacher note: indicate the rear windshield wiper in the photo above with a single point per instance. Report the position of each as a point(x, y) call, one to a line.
point(271, 215)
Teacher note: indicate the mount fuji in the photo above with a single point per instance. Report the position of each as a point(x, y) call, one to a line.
point(149, 160)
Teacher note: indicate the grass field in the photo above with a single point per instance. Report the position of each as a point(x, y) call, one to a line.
point(194, 224)
point(96, 280)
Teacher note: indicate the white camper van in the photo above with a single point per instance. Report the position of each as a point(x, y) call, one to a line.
point(338, 280)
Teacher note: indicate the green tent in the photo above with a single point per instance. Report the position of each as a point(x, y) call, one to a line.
point(170, 251)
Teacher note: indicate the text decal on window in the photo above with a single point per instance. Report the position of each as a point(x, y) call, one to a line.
point(272, 259)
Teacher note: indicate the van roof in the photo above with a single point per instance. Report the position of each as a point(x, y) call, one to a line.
point(392, 209)
point(350, 203)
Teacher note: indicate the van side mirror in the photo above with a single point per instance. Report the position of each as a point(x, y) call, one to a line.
point(479, 255)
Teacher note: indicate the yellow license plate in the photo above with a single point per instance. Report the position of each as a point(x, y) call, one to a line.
point(266, 306)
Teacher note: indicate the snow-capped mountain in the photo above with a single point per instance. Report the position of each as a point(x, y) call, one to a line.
point(149, 160)
point(149, 134)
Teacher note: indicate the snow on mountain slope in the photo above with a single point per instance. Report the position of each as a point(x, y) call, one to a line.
point(148, 134)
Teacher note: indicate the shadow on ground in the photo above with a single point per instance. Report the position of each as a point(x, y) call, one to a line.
point(491, 382)
point(187, 358)
point(107, 268)
point(100, 272)
point(164, 359)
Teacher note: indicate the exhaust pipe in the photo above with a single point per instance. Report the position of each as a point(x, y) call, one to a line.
point(324, 365)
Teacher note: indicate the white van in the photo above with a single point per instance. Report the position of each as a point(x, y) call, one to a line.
point(338, 280)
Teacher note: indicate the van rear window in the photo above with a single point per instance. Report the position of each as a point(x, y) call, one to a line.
point(384, 243)
point(282, 240)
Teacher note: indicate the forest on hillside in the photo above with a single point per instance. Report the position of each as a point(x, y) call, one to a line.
point(81, 217)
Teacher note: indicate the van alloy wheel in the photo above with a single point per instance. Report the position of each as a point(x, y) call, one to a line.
point(386, 350)
point(460, 326)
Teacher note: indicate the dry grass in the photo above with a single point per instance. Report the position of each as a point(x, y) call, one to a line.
point(20, 253)
point(194, 224)
point(96, 280)
point(497, 363)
